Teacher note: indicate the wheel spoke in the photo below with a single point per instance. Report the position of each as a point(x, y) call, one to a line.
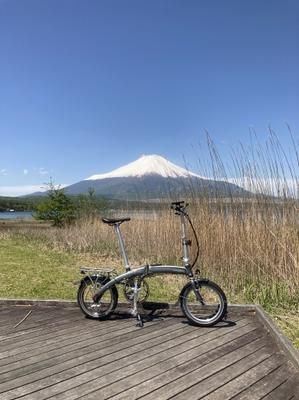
point(106, 304)
point(204, 305)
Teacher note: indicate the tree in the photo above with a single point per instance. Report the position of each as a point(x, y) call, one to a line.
point(58, 207)
point(86, 204)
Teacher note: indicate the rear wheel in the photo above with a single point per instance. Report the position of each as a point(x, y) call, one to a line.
point(108, 302)
point(204, 303)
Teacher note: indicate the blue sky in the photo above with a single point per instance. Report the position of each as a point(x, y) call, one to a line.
point(88, 86)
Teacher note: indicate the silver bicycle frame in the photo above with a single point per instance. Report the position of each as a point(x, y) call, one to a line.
point(122, 246)
point(186, 256)
point(148, 269)
point(144, 271)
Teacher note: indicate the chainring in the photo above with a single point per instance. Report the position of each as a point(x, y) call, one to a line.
point(143, 290)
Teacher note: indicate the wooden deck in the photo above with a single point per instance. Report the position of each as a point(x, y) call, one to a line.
point(57, 353)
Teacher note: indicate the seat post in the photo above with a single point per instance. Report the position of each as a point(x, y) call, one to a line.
point(122, 246)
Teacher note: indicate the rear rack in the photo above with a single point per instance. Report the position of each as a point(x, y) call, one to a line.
point(97, 271)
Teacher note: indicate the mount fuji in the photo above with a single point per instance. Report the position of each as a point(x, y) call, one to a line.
point(153, 177)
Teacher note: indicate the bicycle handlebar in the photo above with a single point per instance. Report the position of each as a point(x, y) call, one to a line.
point(177, 203)
point(179, 206)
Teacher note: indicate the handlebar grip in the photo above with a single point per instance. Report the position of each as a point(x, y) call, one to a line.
point(177, 204)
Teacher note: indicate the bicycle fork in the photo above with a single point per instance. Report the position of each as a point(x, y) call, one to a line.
point(196, 291)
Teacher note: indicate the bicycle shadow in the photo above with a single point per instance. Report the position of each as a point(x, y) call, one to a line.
point(153, 311)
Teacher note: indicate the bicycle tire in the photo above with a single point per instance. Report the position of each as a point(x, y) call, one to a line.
point(214, 308)
point(105, 306)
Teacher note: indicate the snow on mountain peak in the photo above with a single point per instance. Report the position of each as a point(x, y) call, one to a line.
point(147, 165)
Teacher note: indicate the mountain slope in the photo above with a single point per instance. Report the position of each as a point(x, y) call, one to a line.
point(152, 177)
point(147, 165)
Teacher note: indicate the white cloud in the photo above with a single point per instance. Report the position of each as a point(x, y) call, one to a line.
point(43, 171)
point(20, 190)
point(3, 172)
point(269, 186)
point(25, 171)
point(25, 189)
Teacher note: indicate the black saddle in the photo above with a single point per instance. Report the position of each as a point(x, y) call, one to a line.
point(113, 221)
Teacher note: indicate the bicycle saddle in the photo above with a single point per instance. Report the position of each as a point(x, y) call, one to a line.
point(112, 221)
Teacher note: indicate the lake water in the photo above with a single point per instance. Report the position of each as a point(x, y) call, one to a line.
point(16, 215)
point(135, 214)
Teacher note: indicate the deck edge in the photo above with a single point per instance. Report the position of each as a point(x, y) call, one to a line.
point(38, 302)
point(249, 308)
point(281, 340)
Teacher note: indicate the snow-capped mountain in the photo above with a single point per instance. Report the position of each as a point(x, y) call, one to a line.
point(147, 165)
point(152, 177)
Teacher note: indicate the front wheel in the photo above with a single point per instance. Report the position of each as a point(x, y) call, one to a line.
point(108, 302)
point(203, 302)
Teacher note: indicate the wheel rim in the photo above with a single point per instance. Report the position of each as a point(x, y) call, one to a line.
point(212, 305)
point(96, 309)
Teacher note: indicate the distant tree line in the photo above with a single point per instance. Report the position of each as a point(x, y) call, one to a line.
point(63, 209)
point(19, 203)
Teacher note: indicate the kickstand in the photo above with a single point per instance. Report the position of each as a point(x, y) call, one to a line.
point(139, 320)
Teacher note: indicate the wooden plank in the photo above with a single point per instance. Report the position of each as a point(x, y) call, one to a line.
point(287, 390)
point(37, 337)
point(28, 351)
point(91, 372)
point(44, 334)
point(14, 315)
point(16, 337)
point(9, 312)
point(139, 363)
point(71, 329)
point(64, 362)
point(267, 384)
point(40, 312)
point(206, 373)
point(246, 379)
point(48, 356)
point(230, 370)
point(83, 346)
point(59, 347)
point(107, 391)
point(39, 319)
point(143, 382)
point(53, 342)
point(241, 309)
point(125, 347)
point(59, 303)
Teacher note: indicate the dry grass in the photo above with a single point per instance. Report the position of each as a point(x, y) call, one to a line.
point(288, 322)
point(251, 248)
